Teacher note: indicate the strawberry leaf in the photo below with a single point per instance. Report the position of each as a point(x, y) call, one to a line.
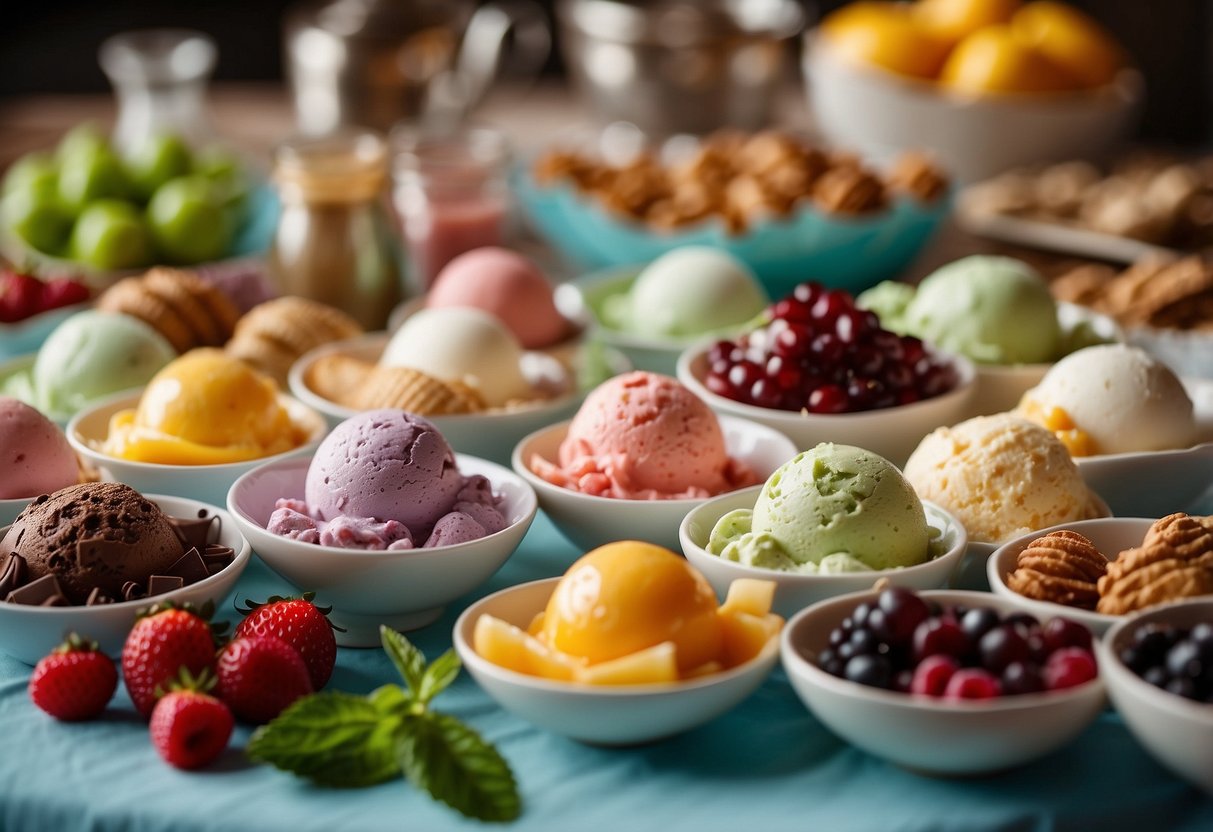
point(334, 739)
point(446, 758)
point(439, 675)
point(408, 659)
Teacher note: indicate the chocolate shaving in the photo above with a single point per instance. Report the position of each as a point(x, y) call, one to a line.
point(131, 591)
point(195, 534)
point(160, 584)
point(97, 597)
point(55, 600)
point(190, 568)
point(37, 593)
point(16, 573)
point(218, 557)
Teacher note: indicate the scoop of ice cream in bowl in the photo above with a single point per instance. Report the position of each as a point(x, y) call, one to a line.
point(457, 366)
point(203, 420)
point(997, 312)
point(88, 557)
point(1141, 436)
point(36, 456)
point(652, 313)
point(641, 451)
point(832, 520)
point(89, 357)
point(1000, 476)
point(630, 645)
point(820, 369)
point(385, 522)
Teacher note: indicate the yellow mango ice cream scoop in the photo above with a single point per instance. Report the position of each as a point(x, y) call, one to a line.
point(204, 408)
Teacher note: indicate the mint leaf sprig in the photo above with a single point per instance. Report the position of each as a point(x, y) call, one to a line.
point(339, 739)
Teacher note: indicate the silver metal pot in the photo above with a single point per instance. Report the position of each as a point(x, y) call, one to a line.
point(373, 63)
point(680, 66)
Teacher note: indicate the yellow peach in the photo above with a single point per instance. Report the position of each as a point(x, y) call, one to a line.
point(886, 35)
point(1071, 40)
point(954, 20)
point(994, 60)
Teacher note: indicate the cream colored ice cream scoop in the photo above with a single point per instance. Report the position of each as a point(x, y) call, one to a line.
point(461, 344)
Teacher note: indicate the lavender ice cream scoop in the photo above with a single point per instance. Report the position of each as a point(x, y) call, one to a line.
point(387, 479)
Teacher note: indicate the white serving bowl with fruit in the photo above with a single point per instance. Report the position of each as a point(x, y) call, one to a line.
point(28, 632)
point(989, 726)
point(795, 591)
point(1148, 661)
point(86, 208)
point(987, 86)
point(643, 695)
point(892, 390)
point(31, 308)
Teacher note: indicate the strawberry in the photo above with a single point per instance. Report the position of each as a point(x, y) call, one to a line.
point(62, 291)
point(189, 727)
point(75, 682)
point(299, 623)
point(259, 676)
point(20, 296)
point(164, 640)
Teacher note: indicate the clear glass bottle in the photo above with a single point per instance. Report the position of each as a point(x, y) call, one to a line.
point(334, 242)
point(159, 78)
point(451, 195)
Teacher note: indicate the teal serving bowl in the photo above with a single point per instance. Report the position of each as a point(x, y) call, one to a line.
point(852, 253)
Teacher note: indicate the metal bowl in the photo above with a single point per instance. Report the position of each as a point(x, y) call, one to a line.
point(676, 66)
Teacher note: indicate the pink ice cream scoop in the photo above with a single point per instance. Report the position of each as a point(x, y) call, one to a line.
point(34, 454)
point(386, 479)
point(506, 285)
point(644, 436)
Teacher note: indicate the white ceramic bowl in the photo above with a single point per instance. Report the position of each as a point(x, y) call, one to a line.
point(26, 336)
point(209, 483)
point(602, 715)
point(1001, 386)
point(656, 353)
point(590, 521)
point(892, 432)
point(1157, 483)
point(881, 114)
point(403, 589)
point(29, 633)
point(924, 734)
point(794, 592)
point(1176, 731)
point(1111, 536)
point(487, 435)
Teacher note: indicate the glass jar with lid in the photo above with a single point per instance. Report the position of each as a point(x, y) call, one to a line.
point(334, 242)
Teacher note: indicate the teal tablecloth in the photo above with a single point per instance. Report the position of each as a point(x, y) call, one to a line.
point(766, 766)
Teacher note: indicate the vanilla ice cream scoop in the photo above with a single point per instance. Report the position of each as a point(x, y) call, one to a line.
point(1112, 399)
point(461, 344)
point(1001, 476)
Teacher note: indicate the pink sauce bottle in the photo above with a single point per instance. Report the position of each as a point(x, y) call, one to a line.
point(451, 194)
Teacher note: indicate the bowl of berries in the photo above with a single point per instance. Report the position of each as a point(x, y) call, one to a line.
point(1159, 669)
point(893, 671)
point(31, 308)
point(823, 370)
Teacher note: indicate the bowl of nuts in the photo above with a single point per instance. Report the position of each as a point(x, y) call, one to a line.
point(782, 206)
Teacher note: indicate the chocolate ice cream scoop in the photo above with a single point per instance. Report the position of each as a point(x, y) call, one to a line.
point(94, 536)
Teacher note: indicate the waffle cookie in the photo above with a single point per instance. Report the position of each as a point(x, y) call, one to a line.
point(185, 309)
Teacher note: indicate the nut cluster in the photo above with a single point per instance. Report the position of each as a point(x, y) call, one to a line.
point(1151, 198)
point(1174, 561)
point(1155, 292)
point(741, 178)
